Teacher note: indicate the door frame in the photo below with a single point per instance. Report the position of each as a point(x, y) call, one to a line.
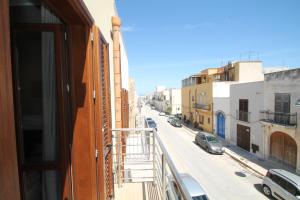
point(218, 124)
point(63, 161)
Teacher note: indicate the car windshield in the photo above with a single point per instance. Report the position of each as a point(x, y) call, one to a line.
point(202, 197)
point(151, 124)
point(211, 139)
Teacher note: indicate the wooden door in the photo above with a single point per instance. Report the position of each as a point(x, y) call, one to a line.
point(243, 137)
point(283, 148)
point(40, 106)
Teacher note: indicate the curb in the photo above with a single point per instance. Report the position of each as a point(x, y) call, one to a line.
point(244, 163)
point(231, 155)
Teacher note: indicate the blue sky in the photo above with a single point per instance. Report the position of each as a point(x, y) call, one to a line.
point(168, 40)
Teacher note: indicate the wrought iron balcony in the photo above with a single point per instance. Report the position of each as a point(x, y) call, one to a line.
point(286, 119)
point(243, 115)
point(201, 106)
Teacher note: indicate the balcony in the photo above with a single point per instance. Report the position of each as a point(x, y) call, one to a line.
point(142, 167)
point(201, 106)
point(285, 119)
point(243, 115)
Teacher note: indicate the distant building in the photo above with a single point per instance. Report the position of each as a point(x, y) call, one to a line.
point(199, 91)
point(132, 98)
point(175, 101)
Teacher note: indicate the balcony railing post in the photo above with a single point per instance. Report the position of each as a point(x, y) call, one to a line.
point(153, 155)
point(163, 176)
point(119, 158)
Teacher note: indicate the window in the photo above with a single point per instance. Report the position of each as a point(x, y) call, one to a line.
point(201, 119)
point(208, 120)
point(282, 102)
point(291, 188)
point(243, 110)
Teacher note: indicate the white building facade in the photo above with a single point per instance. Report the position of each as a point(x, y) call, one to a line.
point(175, 101)
point(246, 102)
point(280, 117)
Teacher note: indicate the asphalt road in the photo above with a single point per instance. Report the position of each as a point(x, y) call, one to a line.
point(220, 176)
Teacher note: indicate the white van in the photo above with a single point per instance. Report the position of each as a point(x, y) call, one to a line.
point(281, 184)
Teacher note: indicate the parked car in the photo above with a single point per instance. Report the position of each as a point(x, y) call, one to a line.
point(176, 122)
point(162, 114)
point(281, 184)
point(193, 188)
point(209, 142)
point(179, 116)
point(170, 118)
point(148, 118)
point(151, 124)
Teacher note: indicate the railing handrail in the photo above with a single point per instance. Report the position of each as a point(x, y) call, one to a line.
point(167, 157)
point(173, 169)
point(131, 129)
point(281, 113)
point(201, 106)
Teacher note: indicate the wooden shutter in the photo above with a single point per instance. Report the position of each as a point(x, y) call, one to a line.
point(105, 183)
point(106, 119)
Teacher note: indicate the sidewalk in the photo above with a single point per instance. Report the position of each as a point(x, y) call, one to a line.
point(245, 158)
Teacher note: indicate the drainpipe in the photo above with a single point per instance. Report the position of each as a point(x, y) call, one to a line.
point(116, 23)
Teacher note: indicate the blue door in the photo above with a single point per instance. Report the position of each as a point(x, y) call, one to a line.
point(221, 125)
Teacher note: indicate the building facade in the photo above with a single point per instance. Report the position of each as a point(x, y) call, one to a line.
point(199, 92)
point(245, 107)
point(280, 117)
point(132, 97)
point(62, 71)
point(175, 101)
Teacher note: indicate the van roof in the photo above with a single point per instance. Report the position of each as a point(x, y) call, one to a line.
point(288, 175)
point(193, 187)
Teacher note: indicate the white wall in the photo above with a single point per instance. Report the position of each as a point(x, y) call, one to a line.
point(175, 97)
point(221, 103)
point(250, 71)
point(252, 91)
point(124, 65)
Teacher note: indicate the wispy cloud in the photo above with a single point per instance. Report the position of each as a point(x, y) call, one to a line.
point(130, 28)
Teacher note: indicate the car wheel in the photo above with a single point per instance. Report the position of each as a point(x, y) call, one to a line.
point(207, 149)
point(267, 191)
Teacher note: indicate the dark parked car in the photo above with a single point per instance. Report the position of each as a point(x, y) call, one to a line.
point(170, 118)
point(209, 142)
point(151, 124)
point(148, 118)
point(176, 122)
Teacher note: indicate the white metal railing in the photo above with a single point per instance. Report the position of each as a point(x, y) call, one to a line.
point(140, 156)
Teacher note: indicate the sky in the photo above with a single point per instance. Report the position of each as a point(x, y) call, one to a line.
point(168, 40)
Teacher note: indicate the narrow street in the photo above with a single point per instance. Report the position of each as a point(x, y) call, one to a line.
point(220, 176)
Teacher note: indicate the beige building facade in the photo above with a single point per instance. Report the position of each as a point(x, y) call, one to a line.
point(197, 90)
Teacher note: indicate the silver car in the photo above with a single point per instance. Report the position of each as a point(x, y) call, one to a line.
point(209, 142)
point(193, 188)
point(281, 184)
point(170, 118)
